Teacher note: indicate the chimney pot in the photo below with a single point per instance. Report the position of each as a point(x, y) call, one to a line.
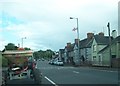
point(101, 34)
point(90, 35)
point(76, 41)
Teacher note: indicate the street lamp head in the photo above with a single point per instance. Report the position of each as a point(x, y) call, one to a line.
point(71, 17)
point(23, 37)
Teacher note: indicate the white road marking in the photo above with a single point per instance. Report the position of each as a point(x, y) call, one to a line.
point(75, 72)
point(51, 81)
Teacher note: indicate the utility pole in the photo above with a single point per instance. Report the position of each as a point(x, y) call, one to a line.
point(110, 55)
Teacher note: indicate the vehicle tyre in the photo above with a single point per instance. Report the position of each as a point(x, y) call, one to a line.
point(37, 76)
point(4, 78)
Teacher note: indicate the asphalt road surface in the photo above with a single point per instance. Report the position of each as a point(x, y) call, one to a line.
point(66, 75)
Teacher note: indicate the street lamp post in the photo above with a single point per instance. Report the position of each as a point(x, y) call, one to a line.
point(77, 36)
point(22, 41)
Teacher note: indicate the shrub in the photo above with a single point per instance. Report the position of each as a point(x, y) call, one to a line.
point(4, 62)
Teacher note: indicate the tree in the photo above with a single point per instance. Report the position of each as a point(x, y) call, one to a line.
point(27, 48)
point(44, 54)
point(4, 62)
point(11, 46)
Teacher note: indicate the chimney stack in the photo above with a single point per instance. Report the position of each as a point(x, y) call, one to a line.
point(90, 35)
point(76, 41)
point(101, 34)
point(68, 44)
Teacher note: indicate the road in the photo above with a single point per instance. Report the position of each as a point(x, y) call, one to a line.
point(67, 75)
point(58, 75)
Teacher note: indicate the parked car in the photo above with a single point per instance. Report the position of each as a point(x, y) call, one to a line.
point(51, 62)
point(60, 63)
point(43, 59)
point(55, 62)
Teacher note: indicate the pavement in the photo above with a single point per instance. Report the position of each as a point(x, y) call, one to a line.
point(105, 68)
point(95, 67)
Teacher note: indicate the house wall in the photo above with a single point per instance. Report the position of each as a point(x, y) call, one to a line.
point(114, 49)
point(65, 56)
point(105, 58)
point(72, 54)
point(86, 52)
point(60, 55)
point(94, 53)
point(89, 54)
point(97, 58)
point(118, 50)
point(82, 52)
point(106, 54)
point(76, 59)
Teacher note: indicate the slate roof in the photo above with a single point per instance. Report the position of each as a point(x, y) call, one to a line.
point(102, 40)
point(70, 48)
point(117, 39)
point(86, 43)
point(62, 50)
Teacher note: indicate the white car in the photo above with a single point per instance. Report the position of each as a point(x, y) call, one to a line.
point(55, 62)
point(59, 63)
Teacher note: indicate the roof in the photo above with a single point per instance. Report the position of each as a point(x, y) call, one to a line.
point(102, 40)
point(70, 48)
point(117, 39)
point(62, 50)
point(86, 43)
point(17, 51)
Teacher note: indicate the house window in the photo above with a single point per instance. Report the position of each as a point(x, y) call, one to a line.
point(94, 48)
point(94, 57)
point(113, 56)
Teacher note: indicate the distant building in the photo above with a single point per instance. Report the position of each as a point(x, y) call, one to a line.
point(76, 58)
point(61, 54)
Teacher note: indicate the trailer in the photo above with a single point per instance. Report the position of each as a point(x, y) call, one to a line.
point(21, 65)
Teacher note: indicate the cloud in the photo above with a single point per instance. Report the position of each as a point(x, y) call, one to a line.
point(46, 23)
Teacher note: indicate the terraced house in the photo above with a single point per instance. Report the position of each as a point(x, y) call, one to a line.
point(94, 50)
point(104, 54)
point(99, 42)
point(101, 50)
point(85, 49)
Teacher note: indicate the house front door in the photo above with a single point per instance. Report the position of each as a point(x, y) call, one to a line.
point(100, 60)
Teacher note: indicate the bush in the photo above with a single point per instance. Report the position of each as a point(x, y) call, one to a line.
point(4, 62)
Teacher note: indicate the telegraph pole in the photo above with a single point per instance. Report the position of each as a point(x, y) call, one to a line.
point(110, 55)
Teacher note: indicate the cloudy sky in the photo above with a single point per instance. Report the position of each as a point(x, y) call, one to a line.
point(47, 24)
